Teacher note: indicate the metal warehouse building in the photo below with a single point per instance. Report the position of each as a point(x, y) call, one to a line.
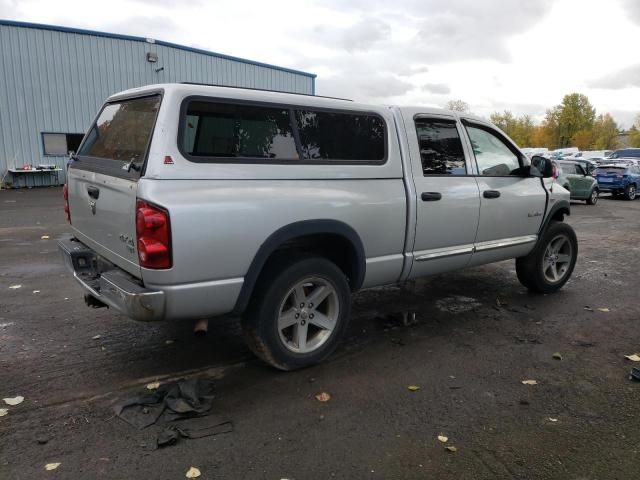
point(54, 79)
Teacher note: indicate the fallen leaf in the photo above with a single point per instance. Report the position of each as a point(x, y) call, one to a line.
point(52, 466)
point(153, 385)
point(323, 397)
point(15, 287)
point(588, 309)
point(169, 342)
point(36, 291)
point(451, 448)
point(193, 472)
point(3, 412)
point(413, 388)
point(529, 382)
point(604, 310)
point(551, 419)
point(634, 357)
point(45, 237)
point(14, 401)
point(557, 356)
point(443, 439)
point(96, 337)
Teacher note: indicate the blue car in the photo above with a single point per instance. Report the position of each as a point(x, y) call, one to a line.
point(626, 153)
point(618, 179)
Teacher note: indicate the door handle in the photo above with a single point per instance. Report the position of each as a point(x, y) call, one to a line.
point(431, 196)
point(491, 194)
point(94, 192)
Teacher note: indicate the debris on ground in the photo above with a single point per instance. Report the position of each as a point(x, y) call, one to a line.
point(588, 308)
point(500, 303)
point(557, 356)
point(192, 428)
point(409, 318)
point(633, 357)
point(14, 401)
point(529, 382)
point(153, 385)
point(44, 237)
point(551, 419)
point(193, 472)
point(96, 337)
point(3, 412)
point(42, 439)
point(15, 287)
point(323, 397)
point(457, 304)
point(604, 309)
point(443, 439)
point(451, 448)
point(169, 342)
point(36, 291)
point(413, 388)
point(635, 374)
point(52, 466)
point(171, 401)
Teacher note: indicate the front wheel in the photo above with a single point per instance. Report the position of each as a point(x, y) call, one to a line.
point(593, 198)
point(550, 265)
point(299, 313)
point(630, 192)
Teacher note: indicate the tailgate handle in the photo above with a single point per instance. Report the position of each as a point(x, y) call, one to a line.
point(94, 192)
point(491, 194)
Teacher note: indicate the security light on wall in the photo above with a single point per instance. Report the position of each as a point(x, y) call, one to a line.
point(152, 57)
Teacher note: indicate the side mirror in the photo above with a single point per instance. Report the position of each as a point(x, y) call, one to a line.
point(544, 166)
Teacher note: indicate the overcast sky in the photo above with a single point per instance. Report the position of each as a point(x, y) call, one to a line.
point(521, 55)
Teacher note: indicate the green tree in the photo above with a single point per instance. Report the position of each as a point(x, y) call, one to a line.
point(634, 133)
point(605, 133)
point(521, 129)
point(457, 106)
point(575, 114)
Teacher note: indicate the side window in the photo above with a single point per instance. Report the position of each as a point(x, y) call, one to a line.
point(580, 170)
point(440, 147)
point(227, 130)
point(341, 136)
point(493, 157)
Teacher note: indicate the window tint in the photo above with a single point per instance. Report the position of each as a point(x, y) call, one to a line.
point(123, 130)
point(243, 131)
point(440, 147)
point(493, 156)
point(341, 136)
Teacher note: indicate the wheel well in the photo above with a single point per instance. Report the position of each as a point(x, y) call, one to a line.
point(332, 246)
point(558, 215)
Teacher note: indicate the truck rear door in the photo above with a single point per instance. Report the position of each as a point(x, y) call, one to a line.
point(102, 180)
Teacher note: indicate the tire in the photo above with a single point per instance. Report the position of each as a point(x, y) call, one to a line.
point(283, 326)
point(542, 271)
point(630, 192)
point(593, 198)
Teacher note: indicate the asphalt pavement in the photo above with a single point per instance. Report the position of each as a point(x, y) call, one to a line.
point(478, 334)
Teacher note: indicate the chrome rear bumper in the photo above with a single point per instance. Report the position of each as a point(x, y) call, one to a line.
point(110, 284)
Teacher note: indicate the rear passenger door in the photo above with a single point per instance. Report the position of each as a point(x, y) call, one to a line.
point(511, 205)
point(447, 195)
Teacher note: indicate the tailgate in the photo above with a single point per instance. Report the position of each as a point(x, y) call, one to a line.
point(103, 179)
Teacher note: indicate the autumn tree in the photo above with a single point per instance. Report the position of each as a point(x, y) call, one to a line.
point(605, 133)
point(575, 115)
point(520, 129)
point(457, 106)
point(634, 133)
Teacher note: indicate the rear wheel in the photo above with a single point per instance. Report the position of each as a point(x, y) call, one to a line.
point(299, 313)
point(630, 192)
point(550, 265)
point(593, 198)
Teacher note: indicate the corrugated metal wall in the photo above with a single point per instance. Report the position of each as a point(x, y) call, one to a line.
point(55, 81)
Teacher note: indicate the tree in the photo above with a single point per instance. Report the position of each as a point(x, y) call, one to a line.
point(605, 133)
point(520, 129)
point(457, 106)
point(634, 133)
point(575, 114)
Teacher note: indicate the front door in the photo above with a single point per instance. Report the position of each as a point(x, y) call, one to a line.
point(447, 195)
point(512, 206)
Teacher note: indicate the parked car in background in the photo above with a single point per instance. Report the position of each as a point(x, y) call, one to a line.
point(573, 177)
point(619, 179)
point(588, 165)
point(626, 153)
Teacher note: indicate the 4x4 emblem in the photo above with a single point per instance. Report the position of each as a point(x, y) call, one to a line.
point(92, 204)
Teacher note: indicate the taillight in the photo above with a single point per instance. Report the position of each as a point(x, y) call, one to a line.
point(153, 231)
point(65, 195)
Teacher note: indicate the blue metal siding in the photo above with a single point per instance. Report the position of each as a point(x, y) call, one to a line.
point(54, 79)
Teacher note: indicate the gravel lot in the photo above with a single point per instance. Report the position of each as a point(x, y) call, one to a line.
point(478, 335)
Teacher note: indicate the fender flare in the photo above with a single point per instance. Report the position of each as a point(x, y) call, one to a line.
point(290, 232)
point(561, 206)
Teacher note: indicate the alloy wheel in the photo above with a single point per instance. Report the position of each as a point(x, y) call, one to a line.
point(557, 259)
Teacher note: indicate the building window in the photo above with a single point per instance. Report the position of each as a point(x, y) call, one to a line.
point(60, 144)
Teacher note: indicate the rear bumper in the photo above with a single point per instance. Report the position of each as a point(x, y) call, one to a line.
point(110, 284)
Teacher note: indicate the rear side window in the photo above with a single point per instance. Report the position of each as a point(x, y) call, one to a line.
point(226, 130)
point(341, 136)
point(440, 147)
point(123, 130)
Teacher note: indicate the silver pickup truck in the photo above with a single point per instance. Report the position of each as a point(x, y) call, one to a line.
point(191, 201)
